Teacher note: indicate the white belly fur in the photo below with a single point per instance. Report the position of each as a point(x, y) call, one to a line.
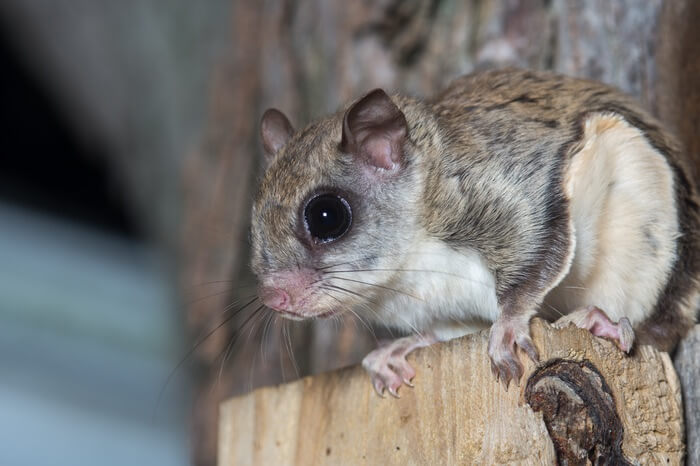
point(625, 223)
point(456, 292)
point(625, 226)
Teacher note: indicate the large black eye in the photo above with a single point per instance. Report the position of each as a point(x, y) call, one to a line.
point(327, 217)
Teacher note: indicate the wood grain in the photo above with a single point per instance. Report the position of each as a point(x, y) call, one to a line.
point(456, 414)
point(686, 363)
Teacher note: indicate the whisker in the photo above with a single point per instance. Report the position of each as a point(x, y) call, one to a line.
point(212, 295)
point(269, 323)
point(192, 350)
point(279, 352)
point(251, 370)
point(266, 329)
point(256, 324)
point(416, 271)
point(364, 305)
point(338, 322)
point(251, 373)
point(337, 265)
point(211, 282)
point(234, 338)
point(349, 309)
point(197, 286)
point(408, 323)
point(290, 350)
point(370, 257)
point(235, 302)
point(339, 288)
point(555, 309)
point(378, 286)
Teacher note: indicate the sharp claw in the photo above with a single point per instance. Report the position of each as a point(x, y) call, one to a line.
point(596, 321)
point(504, 376)
point(505, 337)
point(626, 334)
point(530, 350)
point(494, 371)
point(514, 368)
point(379, 388)
point(408, 373)
point(388, 367)
point(518, 373)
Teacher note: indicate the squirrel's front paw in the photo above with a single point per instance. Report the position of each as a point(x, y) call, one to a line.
point(507, 333)
point(388, 372)
point(387, 365)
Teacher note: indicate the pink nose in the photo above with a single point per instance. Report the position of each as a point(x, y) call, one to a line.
point(276, 298)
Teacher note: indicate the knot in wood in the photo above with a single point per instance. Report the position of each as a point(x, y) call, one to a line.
point(579, 411)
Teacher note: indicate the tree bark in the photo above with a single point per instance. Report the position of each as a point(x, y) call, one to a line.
point(686, 362)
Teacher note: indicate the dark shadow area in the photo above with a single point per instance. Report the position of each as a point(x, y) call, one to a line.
point(43, 165)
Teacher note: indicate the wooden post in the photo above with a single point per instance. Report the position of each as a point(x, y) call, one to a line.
point(585, 400)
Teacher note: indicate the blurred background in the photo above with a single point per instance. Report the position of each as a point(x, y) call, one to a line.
point(128, 156)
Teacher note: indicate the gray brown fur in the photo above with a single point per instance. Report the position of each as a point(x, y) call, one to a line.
point(493, 148)
point(523, 126)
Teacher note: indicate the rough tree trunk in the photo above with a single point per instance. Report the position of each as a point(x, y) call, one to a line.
point(309, 56)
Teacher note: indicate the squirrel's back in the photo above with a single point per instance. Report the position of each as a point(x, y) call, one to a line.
point(564, 181)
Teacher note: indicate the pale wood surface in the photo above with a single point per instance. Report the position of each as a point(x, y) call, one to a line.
point(456, 414)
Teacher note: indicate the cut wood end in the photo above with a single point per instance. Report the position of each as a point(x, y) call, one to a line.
point(585, 399)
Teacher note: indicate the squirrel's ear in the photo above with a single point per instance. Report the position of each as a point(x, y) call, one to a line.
point(275, 131)
point(374, 130)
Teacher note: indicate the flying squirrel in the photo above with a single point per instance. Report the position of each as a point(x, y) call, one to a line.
point(509, 194)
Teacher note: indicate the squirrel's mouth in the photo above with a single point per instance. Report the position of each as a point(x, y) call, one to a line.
point(298, 316)
point(292, 315)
